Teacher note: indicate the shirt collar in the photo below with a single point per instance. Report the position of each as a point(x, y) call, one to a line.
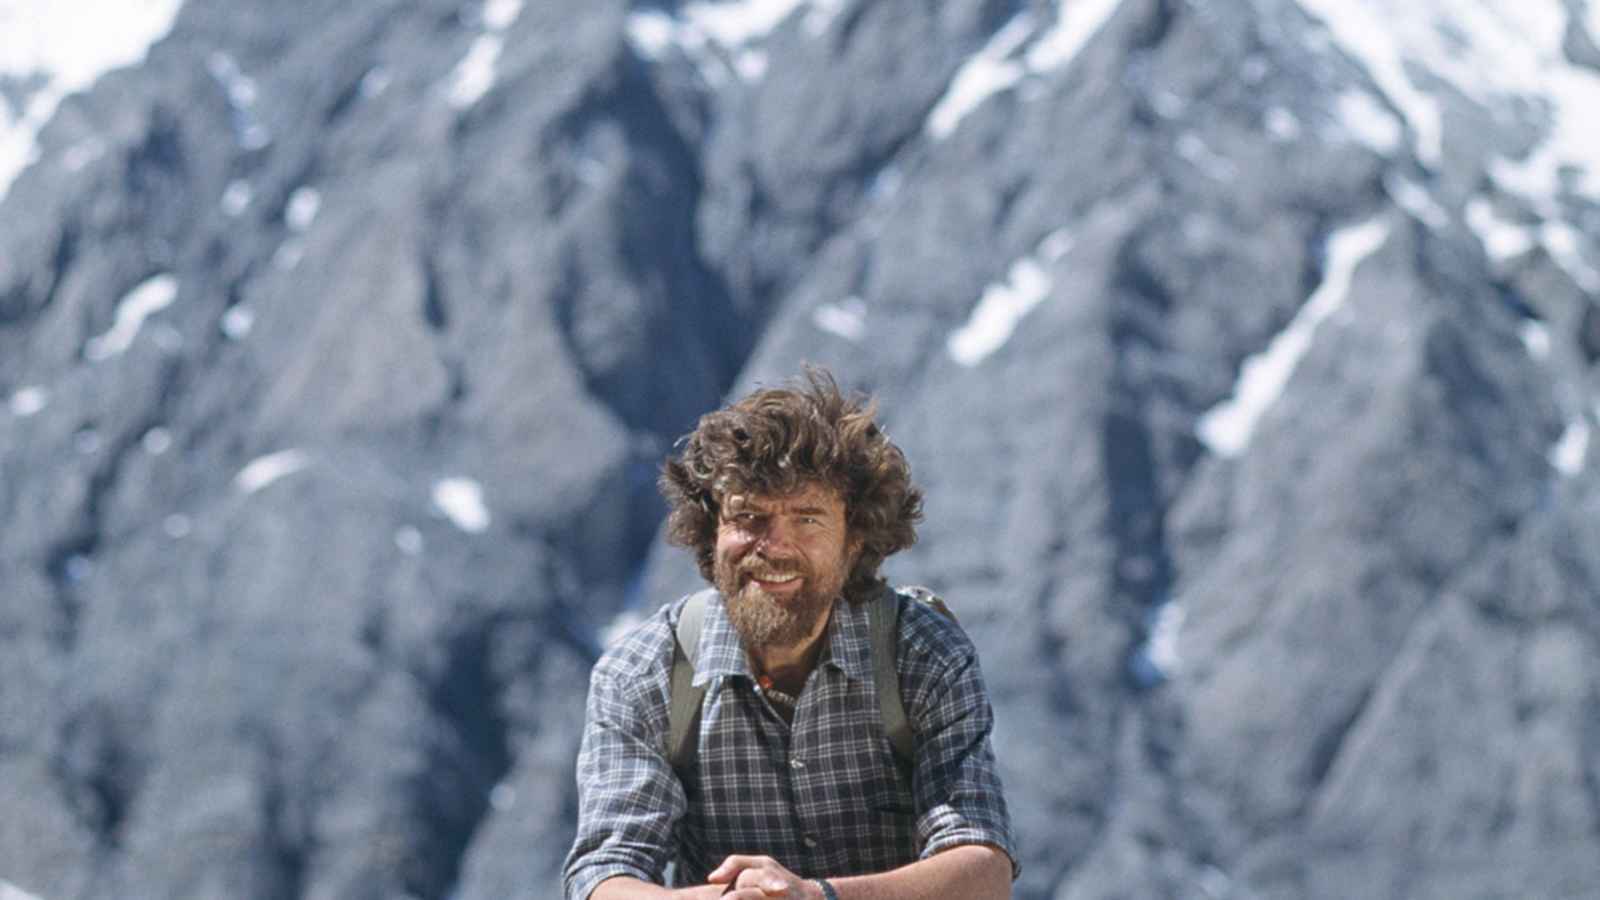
point(848, 642)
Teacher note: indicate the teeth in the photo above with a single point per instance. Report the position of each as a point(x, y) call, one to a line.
point(776, 579)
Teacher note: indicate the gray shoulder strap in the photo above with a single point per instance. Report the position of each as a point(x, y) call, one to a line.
point(884, 616)
point(683, 706)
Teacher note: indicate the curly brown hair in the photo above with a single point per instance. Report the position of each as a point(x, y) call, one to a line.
point(774, 442)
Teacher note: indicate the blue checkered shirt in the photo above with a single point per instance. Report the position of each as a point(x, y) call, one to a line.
point(824, 797)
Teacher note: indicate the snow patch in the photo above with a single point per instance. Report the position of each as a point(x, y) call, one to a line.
point(652, 32)
point(1282, 124)
point(241, 92)
point(885, 184)
point(1366, 30)
point(1056, 245)
point(1003, 305)
point(71, 45)
point(1564, 245)
point(1502, 239)
point(375, 82)
point(1518, 50)
point(1568, 454)
point(1209, 163)
point(503, 797)
point(1415, 199)
point(499, 14)
point(750, 64)
point(150, 297)
point(721, 37)
point(1498, 54)
point(239, 87)
point(81, 154)
point(821, 15)
point(156, 441)
point(461, 501)
point(1536, 338)
point(264, 470)
point(1076, 22)
point(302, 208)
point(288, 255)
point(1368, 122)
point(1163, 642)
point(737, 24)
point(989, 71)
point(1227, 427)
point(847, 319)
point(1156, 658)
point(236, 198)
point(474, 75)
point(1001, 63)
point(237, 322)
point(29, 401)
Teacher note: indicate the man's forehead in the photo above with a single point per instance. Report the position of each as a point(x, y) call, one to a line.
point(814, 495)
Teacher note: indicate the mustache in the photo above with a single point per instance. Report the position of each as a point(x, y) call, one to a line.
point(770, 568)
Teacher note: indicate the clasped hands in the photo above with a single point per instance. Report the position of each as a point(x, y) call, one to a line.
point(757, 878)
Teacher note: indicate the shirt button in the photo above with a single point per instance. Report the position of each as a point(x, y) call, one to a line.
point(810, 842)
point(796, 763)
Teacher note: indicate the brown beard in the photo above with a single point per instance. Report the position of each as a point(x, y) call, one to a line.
point(763, 621)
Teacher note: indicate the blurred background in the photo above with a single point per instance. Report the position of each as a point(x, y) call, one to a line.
point(1246, 351)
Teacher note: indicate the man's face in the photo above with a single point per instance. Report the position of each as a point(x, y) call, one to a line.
point(781, 561)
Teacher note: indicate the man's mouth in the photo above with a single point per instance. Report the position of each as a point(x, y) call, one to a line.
point(775, 579)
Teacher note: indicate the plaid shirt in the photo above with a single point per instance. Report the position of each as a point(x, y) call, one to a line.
point(824, 797)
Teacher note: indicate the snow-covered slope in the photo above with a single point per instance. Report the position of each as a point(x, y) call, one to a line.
point(1246, 353)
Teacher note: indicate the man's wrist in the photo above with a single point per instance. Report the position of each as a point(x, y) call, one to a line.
point(828, 893)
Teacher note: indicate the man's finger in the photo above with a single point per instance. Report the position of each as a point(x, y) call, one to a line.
point(726, 872)
point(731, 867)
point(753, 877)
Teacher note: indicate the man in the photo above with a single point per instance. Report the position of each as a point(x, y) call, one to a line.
point(790, 499)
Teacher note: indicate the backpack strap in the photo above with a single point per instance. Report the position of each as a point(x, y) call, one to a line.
point(885, 622)
point(884, 618)
point(683, 707)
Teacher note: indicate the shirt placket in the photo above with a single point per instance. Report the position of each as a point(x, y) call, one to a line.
point(807, 780)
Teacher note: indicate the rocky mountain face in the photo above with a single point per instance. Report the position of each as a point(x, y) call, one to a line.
point(1245, 352)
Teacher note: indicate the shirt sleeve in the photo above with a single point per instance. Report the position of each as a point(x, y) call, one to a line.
point(629, 798)
point(959, 798)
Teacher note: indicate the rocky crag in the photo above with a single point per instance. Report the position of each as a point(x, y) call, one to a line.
point(1246, 352)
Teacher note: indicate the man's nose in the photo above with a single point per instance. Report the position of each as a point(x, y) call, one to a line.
point(778, 538)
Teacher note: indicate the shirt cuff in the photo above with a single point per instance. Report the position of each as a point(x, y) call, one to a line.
point(588, 878)
point(948, 828)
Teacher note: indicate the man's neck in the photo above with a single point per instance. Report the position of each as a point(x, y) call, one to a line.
point(789, 665)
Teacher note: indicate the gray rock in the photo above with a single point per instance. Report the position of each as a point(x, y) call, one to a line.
point(256, 639)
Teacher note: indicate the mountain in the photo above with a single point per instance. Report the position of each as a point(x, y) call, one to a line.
point(1246, 353)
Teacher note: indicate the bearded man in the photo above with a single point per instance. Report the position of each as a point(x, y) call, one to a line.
point(790, 499)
